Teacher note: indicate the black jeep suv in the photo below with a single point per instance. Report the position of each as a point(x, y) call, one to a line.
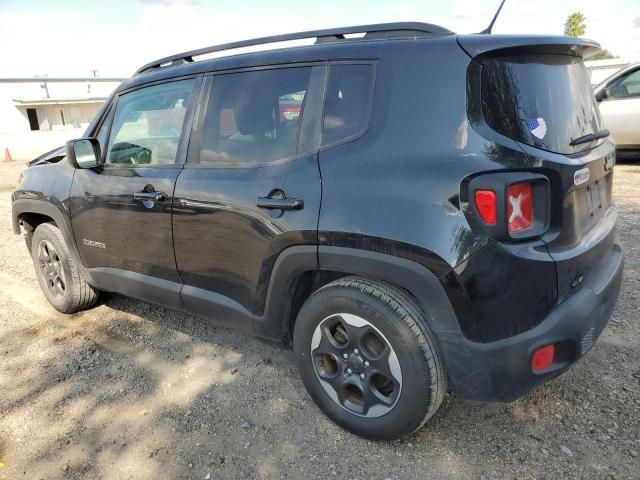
point(414, 211)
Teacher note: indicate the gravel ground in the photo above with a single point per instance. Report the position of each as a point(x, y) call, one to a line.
point(132, 390)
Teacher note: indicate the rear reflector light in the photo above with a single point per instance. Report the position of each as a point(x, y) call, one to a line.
point(543, 358)
point(487, 206)
point(519, 207)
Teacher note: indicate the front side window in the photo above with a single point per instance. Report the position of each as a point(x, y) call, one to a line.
point(147, 125)
point(254, 117)
point(347, 102)
point(626, 87)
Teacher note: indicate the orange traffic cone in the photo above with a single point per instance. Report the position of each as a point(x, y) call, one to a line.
point(7, 156)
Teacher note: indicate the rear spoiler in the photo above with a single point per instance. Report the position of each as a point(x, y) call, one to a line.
point(477, 45)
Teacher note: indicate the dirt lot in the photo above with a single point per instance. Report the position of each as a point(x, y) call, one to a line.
point(131, 390)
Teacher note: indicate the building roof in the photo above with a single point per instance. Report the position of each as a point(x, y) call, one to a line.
point(58, 101)
point(59, 79)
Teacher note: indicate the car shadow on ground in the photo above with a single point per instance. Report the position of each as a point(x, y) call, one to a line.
point(153, 393)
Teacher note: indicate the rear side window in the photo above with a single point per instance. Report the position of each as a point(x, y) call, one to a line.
point(541, 100)
point(348, 102)
point(254, 117)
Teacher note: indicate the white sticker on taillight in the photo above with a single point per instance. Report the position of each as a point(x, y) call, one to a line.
point(519, 207)
point(581, 176)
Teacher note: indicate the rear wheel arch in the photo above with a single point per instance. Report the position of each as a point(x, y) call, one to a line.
point(303, 286)
point(418, 282)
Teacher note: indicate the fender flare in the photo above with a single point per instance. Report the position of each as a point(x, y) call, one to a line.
point(460, 356)
point(421, 282)
point(27, 205)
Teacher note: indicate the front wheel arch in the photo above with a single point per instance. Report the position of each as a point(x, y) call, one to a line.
point(41, 210)
point(58, 273)
point(30, 221)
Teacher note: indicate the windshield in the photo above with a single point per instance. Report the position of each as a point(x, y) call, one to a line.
point(541, 100)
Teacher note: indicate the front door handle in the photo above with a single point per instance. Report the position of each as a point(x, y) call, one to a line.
point(277, 203)
point(153, 196)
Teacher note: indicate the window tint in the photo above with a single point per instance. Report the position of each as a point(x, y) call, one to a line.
point(147, 125)
point(347, 102)
point(254, 117)
point(541, 100)
point(625, 87)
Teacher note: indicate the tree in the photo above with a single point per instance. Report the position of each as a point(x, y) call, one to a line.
point(574, 26)
point(604, 55)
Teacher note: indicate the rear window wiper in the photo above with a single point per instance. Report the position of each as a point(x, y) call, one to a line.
point(590, 137)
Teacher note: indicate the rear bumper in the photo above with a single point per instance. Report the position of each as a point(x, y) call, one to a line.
point(501, 370)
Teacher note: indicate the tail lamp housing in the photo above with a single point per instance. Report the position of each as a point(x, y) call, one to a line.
point(511, 206)
point(485, 202)
point(543, 358)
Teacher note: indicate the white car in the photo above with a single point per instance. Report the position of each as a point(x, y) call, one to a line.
point(619, 97)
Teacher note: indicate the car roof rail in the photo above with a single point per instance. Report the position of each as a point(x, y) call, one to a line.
point(375, 31)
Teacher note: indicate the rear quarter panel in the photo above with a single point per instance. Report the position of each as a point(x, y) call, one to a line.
point(397, 187)
point(396, 190)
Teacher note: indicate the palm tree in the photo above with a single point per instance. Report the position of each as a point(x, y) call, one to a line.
point(574, 26)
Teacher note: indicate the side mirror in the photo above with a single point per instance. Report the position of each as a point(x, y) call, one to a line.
point(84, 153)
point(601, 95)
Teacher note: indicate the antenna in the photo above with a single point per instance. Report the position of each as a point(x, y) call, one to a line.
point(495, 17)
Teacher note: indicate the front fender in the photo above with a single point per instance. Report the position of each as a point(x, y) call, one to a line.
point(41, 207)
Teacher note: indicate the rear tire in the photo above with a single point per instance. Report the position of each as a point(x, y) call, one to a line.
point(368, 358)
point(57, 272)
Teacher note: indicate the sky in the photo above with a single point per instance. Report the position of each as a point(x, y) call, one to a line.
point(115, 37)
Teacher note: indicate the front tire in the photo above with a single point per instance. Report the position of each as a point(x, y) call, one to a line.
point(57, 272)
point(368, 358)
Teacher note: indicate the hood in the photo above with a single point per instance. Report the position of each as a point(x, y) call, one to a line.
point(52, 156)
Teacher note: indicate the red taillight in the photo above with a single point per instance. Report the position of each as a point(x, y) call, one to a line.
point(519, 207)
point(486, 205)
point(543, 358)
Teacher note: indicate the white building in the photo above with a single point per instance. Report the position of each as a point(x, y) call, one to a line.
point(40, 113)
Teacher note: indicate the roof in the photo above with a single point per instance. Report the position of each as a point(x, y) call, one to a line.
point(337, 44)
point(362, 48)
point(374, 31)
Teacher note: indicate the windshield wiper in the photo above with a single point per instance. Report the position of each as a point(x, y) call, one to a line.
point(590, 137)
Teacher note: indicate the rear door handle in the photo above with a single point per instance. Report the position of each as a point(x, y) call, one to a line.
point(153, 196)
point(280, 203)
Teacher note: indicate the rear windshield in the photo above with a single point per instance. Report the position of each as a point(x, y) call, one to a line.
point(541, 100)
